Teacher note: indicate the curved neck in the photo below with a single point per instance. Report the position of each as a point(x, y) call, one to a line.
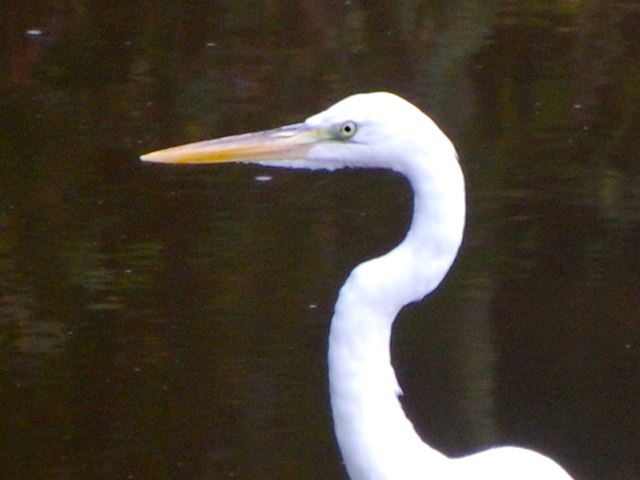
point(376, 439)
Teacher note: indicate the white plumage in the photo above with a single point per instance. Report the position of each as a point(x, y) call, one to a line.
point(381, 130)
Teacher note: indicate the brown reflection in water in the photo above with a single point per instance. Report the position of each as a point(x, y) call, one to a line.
point(158, 323)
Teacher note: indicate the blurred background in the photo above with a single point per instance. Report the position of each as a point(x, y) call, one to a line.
point(171, 323)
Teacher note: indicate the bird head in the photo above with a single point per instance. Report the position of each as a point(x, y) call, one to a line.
point(369, 130)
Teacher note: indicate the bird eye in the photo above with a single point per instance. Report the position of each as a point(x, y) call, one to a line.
point(348, 129)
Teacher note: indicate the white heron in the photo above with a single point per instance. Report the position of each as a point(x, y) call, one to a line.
point(380, 130)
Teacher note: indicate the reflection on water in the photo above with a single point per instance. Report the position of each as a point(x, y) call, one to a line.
point(166, 323)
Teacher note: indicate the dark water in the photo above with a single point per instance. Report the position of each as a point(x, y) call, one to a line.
point(171, 323)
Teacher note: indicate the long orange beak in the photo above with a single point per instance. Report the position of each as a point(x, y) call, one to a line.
point(291, 142)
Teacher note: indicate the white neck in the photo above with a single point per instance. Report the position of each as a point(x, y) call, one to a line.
point(376, 439)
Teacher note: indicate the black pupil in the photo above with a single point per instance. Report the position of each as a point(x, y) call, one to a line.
point(347, 128)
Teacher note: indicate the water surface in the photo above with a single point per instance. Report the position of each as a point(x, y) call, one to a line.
point(159, 322)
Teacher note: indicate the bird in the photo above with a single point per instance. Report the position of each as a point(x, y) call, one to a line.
point(380, 130)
